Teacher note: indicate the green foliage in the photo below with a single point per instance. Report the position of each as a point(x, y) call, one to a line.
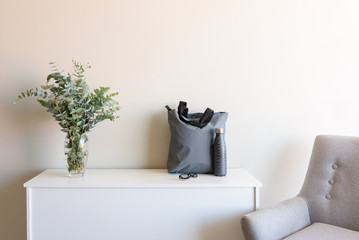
point(68, 99)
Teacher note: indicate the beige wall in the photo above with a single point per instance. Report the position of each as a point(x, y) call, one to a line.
point(286, 71)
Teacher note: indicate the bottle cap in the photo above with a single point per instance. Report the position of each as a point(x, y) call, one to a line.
point(219, 130)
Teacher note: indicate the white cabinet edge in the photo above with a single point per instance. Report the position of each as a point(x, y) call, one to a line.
point(155, 178)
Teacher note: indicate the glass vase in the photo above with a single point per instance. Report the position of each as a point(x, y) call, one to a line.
point(76, 154)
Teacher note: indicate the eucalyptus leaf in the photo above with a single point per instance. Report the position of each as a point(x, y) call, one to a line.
point(67, 98)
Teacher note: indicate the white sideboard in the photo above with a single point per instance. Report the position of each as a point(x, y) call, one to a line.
point(138, 204)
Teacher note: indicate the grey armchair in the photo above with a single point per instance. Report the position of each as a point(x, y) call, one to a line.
point(327, 207)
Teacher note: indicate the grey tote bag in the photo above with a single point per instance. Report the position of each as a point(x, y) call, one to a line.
point(192, 138)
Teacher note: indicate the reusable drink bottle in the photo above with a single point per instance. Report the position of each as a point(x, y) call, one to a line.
point(219, 154)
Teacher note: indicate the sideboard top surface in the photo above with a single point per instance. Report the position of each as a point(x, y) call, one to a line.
point(121, 178)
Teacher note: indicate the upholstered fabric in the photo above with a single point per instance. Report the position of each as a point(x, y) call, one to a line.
point(322, 231)
point(330, 193)
point(331, 186)
point(278, 221)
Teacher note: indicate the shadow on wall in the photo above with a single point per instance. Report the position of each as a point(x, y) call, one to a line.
point(158, 141)
point(18, 125)
point(18, 160)
point(13, 205)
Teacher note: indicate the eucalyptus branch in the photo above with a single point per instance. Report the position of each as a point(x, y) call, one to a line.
point(77, 110)
point(53, 97)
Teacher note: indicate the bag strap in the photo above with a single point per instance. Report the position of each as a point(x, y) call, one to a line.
point(183, 114)
point(206, 117)
point(182, 109)
point(168, 108)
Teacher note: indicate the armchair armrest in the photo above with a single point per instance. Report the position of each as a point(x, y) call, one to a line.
point(276, 222)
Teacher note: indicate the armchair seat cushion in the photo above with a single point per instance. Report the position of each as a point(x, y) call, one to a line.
point(321, 231)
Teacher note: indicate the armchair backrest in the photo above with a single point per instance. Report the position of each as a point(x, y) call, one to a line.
point(331, 186)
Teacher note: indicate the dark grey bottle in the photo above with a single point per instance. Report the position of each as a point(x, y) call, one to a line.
point(219, 154)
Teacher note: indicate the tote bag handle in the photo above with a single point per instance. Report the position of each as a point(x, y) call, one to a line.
point(183, 115)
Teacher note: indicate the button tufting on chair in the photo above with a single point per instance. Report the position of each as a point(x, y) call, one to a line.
point(329, 196)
